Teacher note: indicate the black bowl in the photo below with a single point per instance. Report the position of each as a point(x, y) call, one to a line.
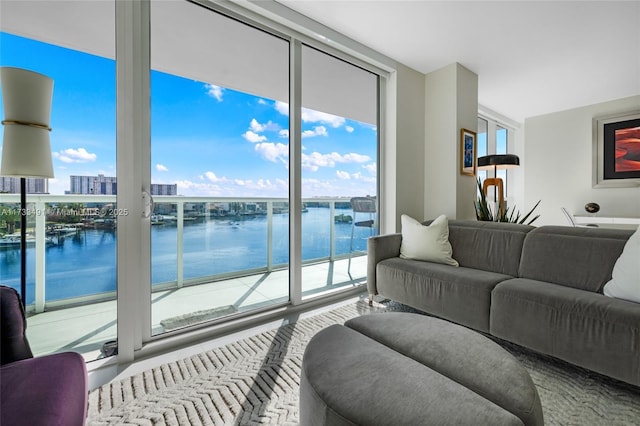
point(592, 207)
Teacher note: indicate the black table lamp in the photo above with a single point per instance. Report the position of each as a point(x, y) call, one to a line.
point(495, 162)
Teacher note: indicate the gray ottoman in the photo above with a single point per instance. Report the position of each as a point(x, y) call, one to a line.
point(411, 369)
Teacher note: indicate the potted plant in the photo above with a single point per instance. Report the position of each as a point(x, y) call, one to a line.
point(484, 212)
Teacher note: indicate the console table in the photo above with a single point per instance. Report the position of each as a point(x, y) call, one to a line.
point(607, 220)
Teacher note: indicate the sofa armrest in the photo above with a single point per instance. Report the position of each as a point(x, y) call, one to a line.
point(380, 247)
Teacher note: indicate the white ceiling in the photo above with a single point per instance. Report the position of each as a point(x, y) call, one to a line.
point(531, 57)
point(189, 42)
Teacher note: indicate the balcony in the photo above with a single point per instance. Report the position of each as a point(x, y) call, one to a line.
point(211, 259)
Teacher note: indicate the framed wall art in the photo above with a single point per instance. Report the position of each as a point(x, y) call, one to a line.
point(616, 150)
point(467, 152)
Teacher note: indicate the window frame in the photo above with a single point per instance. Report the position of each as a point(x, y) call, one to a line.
point(493, 126)
point(133, 142)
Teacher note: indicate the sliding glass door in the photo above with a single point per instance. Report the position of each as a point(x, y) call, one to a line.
point(200, 103)
point(339, 170)
point(219, 166)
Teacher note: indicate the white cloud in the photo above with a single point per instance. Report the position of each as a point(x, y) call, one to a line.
point(235, 187)
point(284, 133)
point(258, 127)
point(263, 185)
point(187, 187)
point(343, 175)
point(355, 158)
point(312, 187)
point(315, 160)
point(371, 168)
point(349, 129)
point(282, 108)
point(161, 168)
point(311, 116)
point(71, 155)
point(214, 91)
point(253, 137)
point(211, 177)
point(273, 151)
point(317, 131)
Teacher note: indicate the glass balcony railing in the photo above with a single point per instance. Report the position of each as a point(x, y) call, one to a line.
point(71, 250)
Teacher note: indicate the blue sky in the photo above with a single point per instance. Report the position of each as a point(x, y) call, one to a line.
point(207, 139)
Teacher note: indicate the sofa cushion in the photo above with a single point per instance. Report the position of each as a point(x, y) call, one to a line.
point(426, 242)
point(488, 246)
point(579, 326)
point(462, 295)
point(582, 258)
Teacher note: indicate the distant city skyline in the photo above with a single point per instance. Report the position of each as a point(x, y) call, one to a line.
point(108, 185)
point(208, 140)
point(11, 185)
point(78, 185)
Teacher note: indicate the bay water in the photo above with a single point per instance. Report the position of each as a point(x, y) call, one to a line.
point(84, 263)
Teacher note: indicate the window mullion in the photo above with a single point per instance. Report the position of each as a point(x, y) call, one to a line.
point(295, 172)
point(132, 121)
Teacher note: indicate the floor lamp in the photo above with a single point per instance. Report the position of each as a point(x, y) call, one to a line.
point(495, 162)
point(26, 150)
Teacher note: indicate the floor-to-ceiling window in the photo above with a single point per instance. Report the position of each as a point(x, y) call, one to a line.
point(74, 214)
point(494, 138)
point(219, 138)
point(219, 172)
point(482, 144)
point(339, 165)
point(502, 136)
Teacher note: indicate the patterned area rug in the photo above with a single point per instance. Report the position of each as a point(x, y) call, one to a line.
point(256, 381)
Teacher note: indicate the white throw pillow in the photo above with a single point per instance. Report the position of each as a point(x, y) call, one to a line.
point(625, 281)
point(430, 243)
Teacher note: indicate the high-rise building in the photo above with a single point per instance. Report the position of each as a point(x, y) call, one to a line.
point(107, 185)
point(96, 185)
point(164, 189)
point(11, 185)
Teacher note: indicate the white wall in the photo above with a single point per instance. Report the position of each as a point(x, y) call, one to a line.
point(467, 118)
point(451, 99)
point(557, 165)
point(409, 161)
point(440, 154)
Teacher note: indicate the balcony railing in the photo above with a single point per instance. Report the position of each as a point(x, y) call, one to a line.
point(181, 211)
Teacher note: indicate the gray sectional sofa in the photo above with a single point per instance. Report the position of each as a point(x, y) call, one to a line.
point(540, 288)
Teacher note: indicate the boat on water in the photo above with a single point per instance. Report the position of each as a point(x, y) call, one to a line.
point(13, 241)
point(63, 230)
point(104, 223)
point(157, 219)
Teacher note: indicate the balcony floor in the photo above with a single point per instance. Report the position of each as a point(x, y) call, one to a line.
point(85, 328)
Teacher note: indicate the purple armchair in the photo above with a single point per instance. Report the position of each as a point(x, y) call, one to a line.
point(47, 390)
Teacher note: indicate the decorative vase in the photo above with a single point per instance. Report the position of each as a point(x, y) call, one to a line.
point(592, 207)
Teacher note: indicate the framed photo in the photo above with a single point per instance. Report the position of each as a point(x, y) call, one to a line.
point(467, 152)
point(616, 150)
